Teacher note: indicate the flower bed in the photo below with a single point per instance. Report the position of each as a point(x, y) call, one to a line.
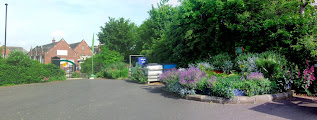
point(194, 80)
point(246, 75)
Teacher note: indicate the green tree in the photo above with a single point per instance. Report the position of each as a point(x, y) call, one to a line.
point(152, 31)
point(119, 35)
point(101, 59)
point(203, 28)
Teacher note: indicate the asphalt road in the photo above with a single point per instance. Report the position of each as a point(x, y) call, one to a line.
point(124, 100)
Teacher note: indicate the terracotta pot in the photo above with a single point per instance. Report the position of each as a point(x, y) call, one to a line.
point(216, 71)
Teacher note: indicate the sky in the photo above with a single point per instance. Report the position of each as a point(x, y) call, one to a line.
point(32, 23)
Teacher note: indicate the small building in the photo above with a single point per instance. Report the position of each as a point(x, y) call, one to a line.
point(61, 49)
point(82, 49)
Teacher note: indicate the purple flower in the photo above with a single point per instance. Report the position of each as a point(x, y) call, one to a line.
point(255, 76)
point(190, 77)
point(169, 76)
point(211, 81)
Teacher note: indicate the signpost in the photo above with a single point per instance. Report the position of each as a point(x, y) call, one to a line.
point(92, 61)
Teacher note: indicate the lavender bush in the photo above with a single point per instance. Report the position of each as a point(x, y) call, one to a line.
point(191, 77)
point(170, 76)
point(171, 79)
point(255, 76)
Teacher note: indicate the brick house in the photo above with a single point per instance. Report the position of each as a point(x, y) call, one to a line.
point(60, 49)
point(82, 49)
point(11, 48)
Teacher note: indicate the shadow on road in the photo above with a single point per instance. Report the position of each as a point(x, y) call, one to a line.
point(302, 107)
point(157, 89)
point(160, 89)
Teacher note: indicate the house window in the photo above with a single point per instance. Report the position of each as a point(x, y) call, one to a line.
point(82, 47)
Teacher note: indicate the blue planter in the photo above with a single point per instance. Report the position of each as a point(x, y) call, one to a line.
point(238, 92)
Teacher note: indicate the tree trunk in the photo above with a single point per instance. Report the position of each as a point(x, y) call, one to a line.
point(302, 7)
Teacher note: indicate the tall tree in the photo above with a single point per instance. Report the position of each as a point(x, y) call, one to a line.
point(119, 35)
point(153, 29)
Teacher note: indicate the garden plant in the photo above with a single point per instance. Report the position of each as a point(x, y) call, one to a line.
point(255, 74)
point(19, 68)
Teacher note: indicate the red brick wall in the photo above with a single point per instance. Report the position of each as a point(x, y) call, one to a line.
point(7, 51)
point(62, 45)
point(80, 51)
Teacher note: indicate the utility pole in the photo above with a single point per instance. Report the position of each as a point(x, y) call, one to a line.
point(5, 32)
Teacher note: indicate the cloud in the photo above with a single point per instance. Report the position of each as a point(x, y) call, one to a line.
point(58, 33)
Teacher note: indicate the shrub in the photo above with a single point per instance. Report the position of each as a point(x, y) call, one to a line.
point(247, 65)
point(171, 80)
point(219, 60)
point(20, 69)
point(254, 76)
point(18, 58)
point(116, 70)
point(222, 89)
point(138, 74)
point(306, 78)
point(204, 66)
point(191, 77)
point(258, 87)
point(228, 87)
point(270, 63)
point(170, 76)
point(227, 67)
point(101, 60)
point(75, 75)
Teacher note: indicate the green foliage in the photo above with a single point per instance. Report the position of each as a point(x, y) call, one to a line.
point(271, 63)
point(18, 58)
point(222, 88)
point(119, 35)
point(75, 75)
point(219, 61)
point(116, 70)
point(259, 87)
point(305, 80)
point(102, 59)
point(247, 63)
point(153, 33)
point(138, 75)
point(198, 29)
point(227, 67)
point(18, 68)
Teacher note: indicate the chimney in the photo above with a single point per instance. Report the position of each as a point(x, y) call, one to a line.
point(53, 41)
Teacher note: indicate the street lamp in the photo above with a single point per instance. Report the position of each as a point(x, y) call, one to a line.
point(5, 32)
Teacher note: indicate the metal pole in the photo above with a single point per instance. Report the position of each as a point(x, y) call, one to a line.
point(92, 64)
point(5, 32)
